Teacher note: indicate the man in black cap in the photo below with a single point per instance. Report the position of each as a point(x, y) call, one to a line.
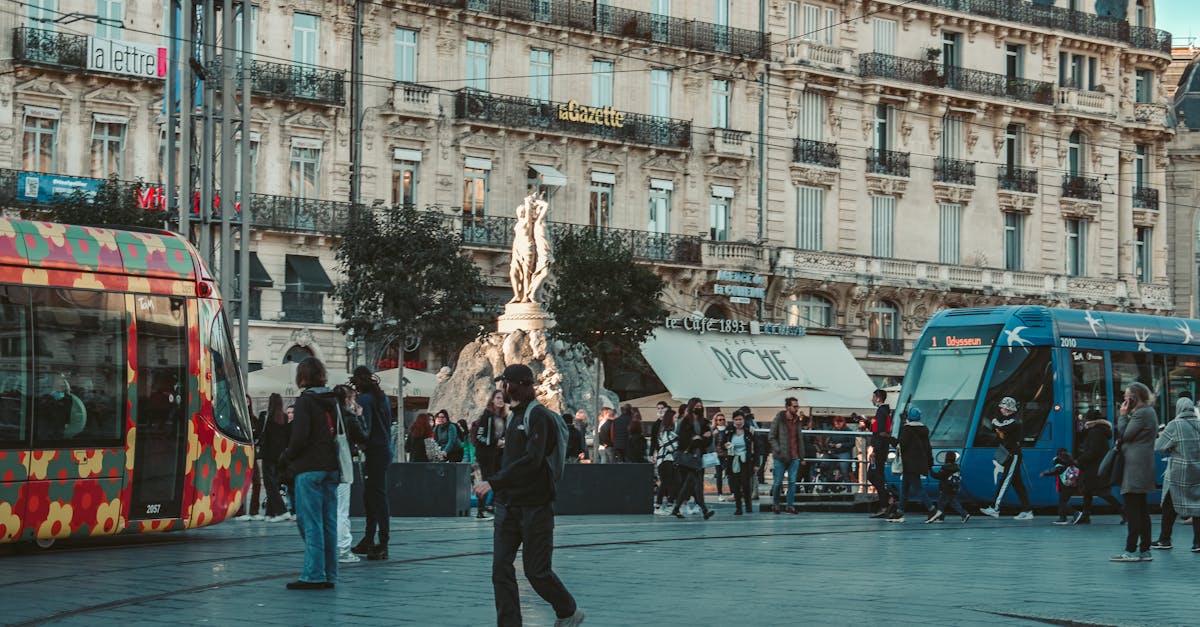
point(524, 511)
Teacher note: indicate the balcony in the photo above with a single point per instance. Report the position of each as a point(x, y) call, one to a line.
point(1073, 100)
point(571, 118)
point(623, 23)
point(887, 162)
point(303, 306)
point(1152, 113)
point(497, 232)
point(287, 81)
point(956, 171)
point(885, 345)
point(1081, 187)
point(49, 48)
point(303, 215)
point(901, 273)
point(817, 153)
point(1014, 179)
point(1145, 198)
point(1062, 19)
point(811, 53)
point(937, 74)
point(414, 99)
point(728, 142)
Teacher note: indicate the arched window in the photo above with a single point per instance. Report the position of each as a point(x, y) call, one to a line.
point(883, 326)
point(1075, 145)
point(296, 354)
point(715, 312)
point(809, 310)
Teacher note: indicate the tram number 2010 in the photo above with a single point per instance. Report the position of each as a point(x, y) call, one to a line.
point(1068, 342)
point(154, 508)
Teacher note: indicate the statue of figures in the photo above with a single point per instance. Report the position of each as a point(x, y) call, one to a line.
point(520, 267)
point(531, 257)
point(541, 241)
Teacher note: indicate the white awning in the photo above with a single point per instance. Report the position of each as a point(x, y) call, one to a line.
point(760, 370)
point(549, 175)
point(476, 163)
point(417, 383)
point(406, 154)
point(604, 177)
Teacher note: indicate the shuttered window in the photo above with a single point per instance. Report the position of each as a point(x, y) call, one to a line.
point(883, 225)
point(810, 209)
point(811, 120)
point(952, 137)
point(884, 35)
point(949, 233)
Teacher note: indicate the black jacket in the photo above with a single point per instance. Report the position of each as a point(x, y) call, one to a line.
point(1010, 430)
point(524, 477)
point(486, 439)
point(575, 441)
point(274, 441)
point(686, 434)
point(845, 438)
point(378, 414)
point(1097, 439)
point(311, 447)
point(915, 451)
point(943, 477)
point(636, 451)
point(752, 445)
point(620, 432)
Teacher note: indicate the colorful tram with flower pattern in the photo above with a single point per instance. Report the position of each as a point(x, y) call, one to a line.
point(1060, 364)
point(122, 407)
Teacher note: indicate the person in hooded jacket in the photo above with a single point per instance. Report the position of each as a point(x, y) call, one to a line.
point(1136, 427)
point(275, 436)
point(312, 456)
point(916, 454)
point(1096, 438)
point(1180, 441)
point(379, 452)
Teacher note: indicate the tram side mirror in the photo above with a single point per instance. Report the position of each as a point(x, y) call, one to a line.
point(940, 457)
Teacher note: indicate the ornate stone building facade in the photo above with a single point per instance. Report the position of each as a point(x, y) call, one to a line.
point(850, 165)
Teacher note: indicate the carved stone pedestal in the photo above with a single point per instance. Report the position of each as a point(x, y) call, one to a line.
point(524, 316)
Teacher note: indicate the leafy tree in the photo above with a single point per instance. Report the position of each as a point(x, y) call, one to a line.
point(406, 275)
point(603, 300)
point(115, 204)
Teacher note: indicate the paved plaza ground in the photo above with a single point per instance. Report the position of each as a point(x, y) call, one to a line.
point(815, 568)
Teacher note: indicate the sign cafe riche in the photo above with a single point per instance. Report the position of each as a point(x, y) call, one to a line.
point(739, 327)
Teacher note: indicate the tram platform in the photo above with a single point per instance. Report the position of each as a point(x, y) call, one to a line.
point(818, 568)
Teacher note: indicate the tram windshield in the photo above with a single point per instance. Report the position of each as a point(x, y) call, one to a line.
point(943, 380)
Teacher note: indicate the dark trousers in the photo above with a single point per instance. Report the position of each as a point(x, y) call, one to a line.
point(1012, 476)
point(668, 481)
point(256, 489)
point(948, 501)
point(911, 484)
point(691, 483)
point(762, 468)
point(375, 498)
point(1105, 493)
point(740, 483)
point(876, 478)
point(1064, 502)
point(1169, 514)
point(1137, 537)
point(533, 527)
point(719, 473)
point(270, 474)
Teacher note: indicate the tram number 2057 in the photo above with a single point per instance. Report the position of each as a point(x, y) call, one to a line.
point(1067, 342)
point(154, 508)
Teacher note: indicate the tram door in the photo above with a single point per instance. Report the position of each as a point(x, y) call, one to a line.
point(161, 439)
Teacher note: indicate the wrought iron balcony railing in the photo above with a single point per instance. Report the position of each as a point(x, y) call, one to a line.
point(815, 152)
point(303, 306)
point(497, 232)
point(1081, 187)
point(1015, 179)
point(885, 345)
point(1063, 19)
point(287, 213)
point(625, 23)
point(957, 171)
point(887, 162)
point(287, 81)
point(937, 74)
point(46, 47)
point(557, 117)
point(1145, 198)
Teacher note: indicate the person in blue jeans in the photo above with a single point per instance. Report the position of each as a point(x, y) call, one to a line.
point(787, 447)
point(312, 456)
point(916, 454)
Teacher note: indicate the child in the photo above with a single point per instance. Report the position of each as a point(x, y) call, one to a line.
point(949, 481)
point(1066, 480)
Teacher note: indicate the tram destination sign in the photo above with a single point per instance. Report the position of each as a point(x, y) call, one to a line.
point(702, 326)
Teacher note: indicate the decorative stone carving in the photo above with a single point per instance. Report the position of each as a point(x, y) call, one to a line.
point(935, 131)
point(816, 176)
point(407, 128)
point(1145, 217)
point(1016, 202)
point(1078, 208)
point(545, 148)
point(952, 194)
point(886, 185)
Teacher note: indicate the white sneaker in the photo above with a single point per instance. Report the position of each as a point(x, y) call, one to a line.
point(279, 518)
point(571, 621)
point(692, 509)
point(662, 511)
point(990, 511)
point(292, 517)
point(346, 557)
point(728, 498)
point(243, 517)
point(258, 517)
point(1024, 516)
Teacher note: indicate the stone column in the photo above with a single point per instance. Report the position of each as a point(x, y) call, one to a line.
point(1125, 230)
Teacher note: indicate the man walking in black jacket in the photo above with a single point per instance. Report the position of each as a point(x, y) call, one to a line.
point(524, 511)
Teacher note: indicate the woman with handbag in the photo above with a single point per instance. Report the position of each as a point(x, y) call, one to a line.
point(1135, 442)
point(445, 433)
point(312, 455)
point(1096, 437)
point(695, 436)
point(665, 445)
point(419, 433)
point(1180, 440)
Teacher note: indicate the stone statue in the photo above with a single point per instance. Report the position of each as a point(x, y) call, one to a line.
point(531, 256)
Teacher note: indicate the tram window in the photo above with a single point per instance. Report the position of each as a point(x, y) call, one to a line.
point(79, 368)
point(1027, 375)
point(1089, 384)
point(1128, 367)
point(14, 371)
point(1183, 375)
point(229, 398)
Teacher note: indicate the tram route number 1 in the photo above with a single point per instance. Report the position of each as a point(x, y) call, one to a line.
point(154, 508)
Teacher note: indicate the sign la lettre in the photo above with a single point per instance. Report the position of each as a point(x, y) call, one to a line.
point(743, 327)
point(130, 59)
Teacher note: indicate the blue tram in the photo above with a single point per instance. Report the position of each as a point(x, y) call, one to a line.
point(1058, 363)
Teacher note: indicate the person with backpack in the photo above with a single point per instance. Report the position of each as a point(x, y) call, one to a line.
point(379, 451)
point(949, 483)
point(1066, 480)
point(534, 452)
